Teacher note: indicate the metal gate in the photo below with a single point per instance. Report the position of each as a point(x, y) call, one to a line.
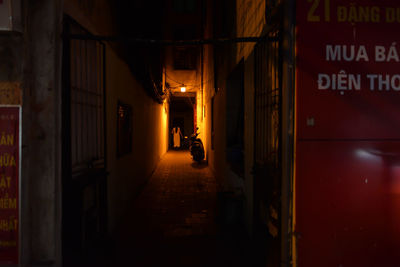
point(267, 143)
point(84, 142)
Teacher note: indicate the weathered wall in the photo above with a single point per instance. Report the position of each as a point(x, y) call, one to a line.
point(249, 23)
point(185, 25)
point(208, 85)
point(241, 18)
point(129, 172)
point(41, 138)
point(150, 119)
point(217, 63)
point(177, 78)
point(94, 15)
point(43, 125)
point(30, 68)
point(249, 140)
point(218, 156)
point(209, 92)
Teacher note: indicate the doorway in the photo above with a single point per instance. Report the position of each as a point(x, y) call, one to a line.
point(182, 116)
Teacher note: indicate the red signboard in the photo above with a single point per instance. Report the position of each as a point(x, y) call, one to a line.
point(348, 202)
point(348, 133)
point(348, 79)
point(9, 184)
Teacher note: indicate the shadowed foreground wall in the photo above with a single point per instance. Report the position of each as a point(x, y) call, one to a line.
point(130, 171)
point(150, 123)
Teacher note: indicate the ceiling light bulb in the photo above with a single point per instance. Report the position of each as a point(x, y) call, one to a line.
point(183, 89)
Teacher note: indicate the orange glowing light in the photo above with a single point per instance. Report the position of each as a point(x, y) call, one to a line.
point(183, 89)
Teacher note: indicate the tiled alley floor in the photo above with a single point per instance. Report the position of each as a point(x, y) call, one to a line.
point(172, 222)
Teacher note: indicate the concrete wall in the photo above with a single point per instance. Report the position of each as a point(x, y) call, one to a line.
point(94, 15)
point(250, 22)
point(42, 133)
point(209, 92)
point(214, 87)
point(175, 21)
point(249, 140)
point(242, 18)
point(129, 172)
point(177, 78)
point(30, 68)
point(150, 120)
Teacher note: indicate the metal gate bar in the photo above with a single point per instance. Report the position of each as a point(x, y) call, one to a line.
point(267, 101)
point(87, 104)
point(267, 143)
point(84, 142)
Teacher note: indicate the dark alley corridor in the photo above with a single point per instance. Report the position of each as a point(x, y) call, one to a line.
point(173, 221)
point(199, 133)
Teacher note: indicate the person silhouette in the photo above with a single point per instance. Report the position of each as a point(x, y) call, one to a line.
point(177, 134)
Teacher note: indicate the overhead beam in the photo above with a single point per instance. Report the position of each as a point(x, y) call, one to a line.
point(186, 94)
point(131, 40)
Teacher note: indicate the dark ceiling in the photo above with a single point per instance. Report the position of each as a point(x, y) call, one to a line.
point(142, 19)
point(182, 104)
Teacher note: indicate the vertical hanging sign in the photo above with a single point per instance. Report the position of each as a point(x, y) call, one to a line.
point(9, 183)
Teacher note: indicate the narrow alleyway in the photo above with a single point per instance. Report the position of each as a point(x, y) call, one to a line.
point(173, 221)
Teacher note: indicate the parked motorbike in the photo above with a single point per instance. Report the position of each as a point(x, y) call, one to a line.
point(196, 147)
